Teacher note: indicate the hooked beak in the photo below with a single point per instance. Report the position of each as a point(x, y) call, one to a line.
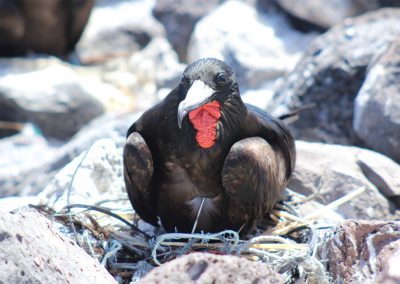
point(198, 94)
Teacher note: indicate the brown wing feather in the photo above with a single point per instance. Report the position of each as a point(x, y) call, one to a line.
point(257, 168)
point(138, 174)
point(254, 178)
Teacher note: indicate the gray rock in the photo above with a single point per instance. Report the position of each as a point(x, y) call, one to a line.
point(332, 171)
point(51, 97)
point(330, 74)
point(360, 250)
point(93, 176)
point(29, 162)
point(117, 29)
point(377, 106)
point(327, 13)
point(179, 18)
point(391, 273)
point(157, 63)
point(260, 51)
point(211, 268)
point(42, 26)
point(32, 251)
point(24, 159)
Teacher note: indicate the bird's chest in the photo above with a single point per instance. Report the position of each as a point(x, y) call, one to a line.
point(193, 169)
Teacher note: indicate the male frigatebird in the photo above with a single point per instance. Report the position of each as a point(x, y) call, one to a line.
point(203, 156)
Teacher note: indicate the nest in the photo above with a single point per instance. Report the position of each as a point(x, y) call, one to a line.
point(289, 243)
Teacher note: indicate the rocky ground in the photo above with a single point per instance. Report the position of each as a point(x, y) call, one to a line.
point(63, 122)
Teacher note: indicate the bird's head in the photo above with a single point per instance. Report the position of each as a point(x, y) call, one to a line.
point(205, 87)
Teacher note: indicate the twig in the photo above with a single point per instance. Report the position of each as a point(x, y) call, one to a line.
point(69, 194)
point(198, 215)
point(309, 219)
point(108, 212)
point(11, 125)
point(336, 203)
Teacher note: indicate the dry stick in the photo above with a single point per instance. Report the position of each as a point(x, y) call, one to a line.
point(307, 220)
point(336, 203)
point(107, 212)
point(69, 194)
point(198, 216)
point(272, 247)
point(11, 125)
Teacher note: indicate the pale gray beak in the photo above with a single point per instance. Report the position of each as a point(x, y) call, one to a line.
point(198, 94)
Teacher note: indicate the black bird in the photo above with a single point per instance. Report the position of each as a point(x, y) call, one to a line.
point(202, 160)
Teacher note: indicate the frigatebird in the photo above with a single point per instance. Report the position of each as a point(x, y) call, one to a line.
point(201, 160)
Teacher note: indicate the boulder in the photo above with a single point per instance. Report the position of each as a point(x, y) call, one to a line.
point(330, 74)
point(24, 159)
point(391, 273)
point(377, 106)
point(211, 268)
point(179, 18)
point(51, 97)
point(95, 175)
point(329, 13)
point(360, 250)
point(29, 162)
point(262, 50)
point(32, 251)
point(332, 171)
point(158, 65)
point(42, 26)
point(117, 29)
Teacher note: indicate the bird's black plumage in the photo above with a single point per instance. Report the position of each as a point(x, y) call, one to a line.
point(168, 174)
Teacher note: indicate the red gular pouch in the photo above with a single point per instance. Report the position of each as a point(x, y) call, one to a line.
point(204, 119)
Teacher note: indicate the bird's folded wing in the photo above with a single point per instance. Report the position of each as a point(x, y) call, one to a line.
point(257, 167)
point(138, 174)
point(253, 176)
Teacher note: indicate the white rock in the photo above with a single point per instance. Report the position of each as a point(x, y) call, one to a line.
point(94, 176)
point(47, 92)
point(117, 28)
point(333, 171)
point(258, 47)
point(32, 251)
point(156, 66)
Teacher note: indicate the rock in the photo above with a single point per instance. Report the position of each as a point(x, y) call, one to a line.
point(377, 106)
point(42, 26)
point(23, 158)
point(391, 273)
point(330, 74)
point(113, 126)
point(211, 268)
point(29, 162)
point(12, 203)
point(96, 175)
point(117, 29)
point(157, 63)
point(243, 47)
point(179, 18)
point(332, 171)
point(329, 13)
point(51, 97)
point(381, 172)
point(360, 250)
point(32, 251)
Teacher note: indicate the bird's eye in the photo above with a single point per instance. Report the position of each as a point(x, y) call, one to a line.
point(185, 81)
point(221, 80)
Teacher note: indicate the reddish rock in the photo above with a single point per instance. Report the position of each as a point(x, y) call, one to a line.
point(211, 268)
point(361, 250)
point(391, 273)
point(32, 251)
